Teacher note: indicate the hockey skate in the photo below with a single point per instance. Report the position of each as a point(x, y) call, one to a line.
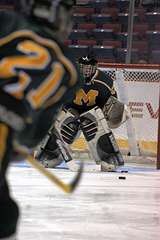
point(109, 165)
point(106, 167)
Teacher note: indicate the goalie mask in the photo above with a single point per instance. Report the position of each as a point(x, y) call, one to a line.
point(88, 67)
point(56, 15)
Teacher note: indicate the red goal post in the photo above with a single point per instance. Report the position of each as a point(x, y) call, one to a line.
point(138, 86)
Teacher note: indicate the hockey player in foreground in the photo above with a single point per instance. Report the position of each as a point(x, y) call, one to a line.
point(37, 75)
point(94, 110)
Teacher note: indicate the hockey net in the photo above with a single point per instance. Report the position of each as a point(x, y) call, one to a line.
point(138, 86)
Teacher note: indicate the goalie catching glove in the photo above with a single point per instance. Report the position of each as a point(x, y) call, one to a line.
point(115, 112)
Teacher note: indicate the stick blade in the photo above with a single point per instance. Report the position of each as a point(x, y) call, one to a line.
point(77, 178)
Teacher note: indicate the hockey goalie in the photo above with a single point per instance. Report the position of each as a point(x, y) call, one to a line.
point(95, 110)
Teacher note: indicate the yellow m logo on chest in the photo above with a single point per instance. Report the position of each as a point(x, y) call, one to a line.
point(88, 98)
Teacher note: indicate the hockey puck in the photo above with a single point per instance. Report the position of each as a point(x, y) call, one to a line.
point(124, 171)
point(122, 177)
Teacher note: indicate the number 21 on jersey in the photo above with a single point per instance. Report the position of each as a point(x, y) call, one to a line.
point(34, 56)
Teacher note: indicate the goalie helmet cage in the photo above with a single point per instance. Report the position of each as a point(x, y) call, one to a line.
point(138, 86)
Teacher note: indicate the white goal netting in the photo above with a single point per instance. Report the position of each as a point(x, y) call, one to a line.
point(138, 86)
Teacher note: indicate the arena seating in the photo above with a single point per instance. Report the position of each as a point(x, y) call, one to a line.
point(88, 42)
point(155, 56)
point(100, 34)
point(78, 50)
point(101, 18)
point(122, 36)
point(99, 4)
point(78, 34)
point(103, 51)
point(121, 54)
point(86, 26)
point(122, 5)
point(152, 17)
point(114, 43)
point(102, 25)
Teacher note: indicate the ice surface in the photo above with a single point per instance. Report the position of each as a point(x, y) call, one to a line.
point(103, 207)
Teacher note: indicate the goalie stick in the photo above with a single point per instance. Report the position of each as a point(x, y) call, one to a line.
point(66, 187)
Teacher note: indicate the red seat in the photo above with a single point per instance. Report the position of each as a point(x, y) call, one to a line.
point(141, 28)
point(86, 10)
point(114, 43)
point(109, 10)
point(157, 27)
point(113, 11)
point(68, 42)
point(140, 45)
point(86, 26)
point(141, 13)
point(88, 42)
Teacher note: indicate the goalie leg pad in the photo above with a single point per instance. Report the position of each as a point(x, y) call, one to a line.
point(69, 129)
point(48, 152)
point(89, 126)
point(52, 151)
point(108, 151)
